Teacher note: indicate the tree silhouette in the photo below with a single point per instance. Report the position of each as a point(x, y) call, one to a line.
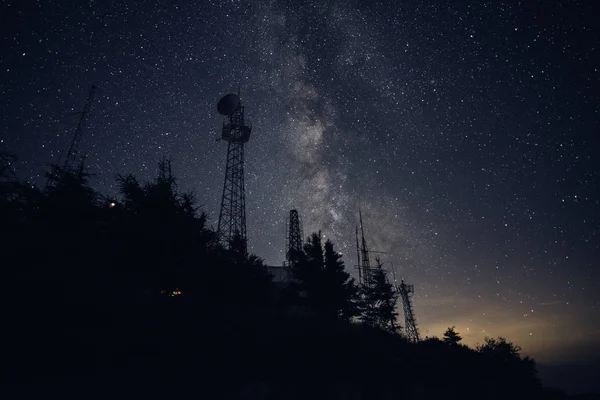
point(500, 349)
point(379, 301)
point(160, 232)
point(506, 362)
point(322, 282)
point(452, 337)
point(70, 200)
point(341, 291)
point(237, 248)
point(307, 273)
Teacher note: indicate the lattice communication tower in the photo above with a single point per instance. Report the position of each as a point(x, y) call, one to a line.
point(294, 237)
point(410, 329)
point(232, 217)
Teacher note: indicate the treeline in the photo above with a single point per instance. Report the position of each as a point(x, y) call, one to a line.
point(139, 290)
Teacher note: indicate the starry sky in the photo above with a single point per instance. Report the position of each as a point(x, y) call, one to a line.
point(465, 131)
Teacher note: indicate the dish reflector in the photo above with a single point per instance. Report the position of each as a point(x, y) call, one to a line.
point(228, 104)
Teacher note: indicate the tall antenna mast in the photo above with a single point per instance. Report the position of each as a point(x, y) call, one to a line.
point(293, 238)
point(394, 277)
point(232, 217)
point(410, 329)
point(358, 265)
point(365, 264)
point(73, 151)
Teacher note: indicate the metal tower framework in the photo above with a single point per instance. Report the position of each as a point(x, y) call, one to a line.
point(410, 329)
point(294, 236)
point(232, 217)
point(72, 153)
point(393, 321)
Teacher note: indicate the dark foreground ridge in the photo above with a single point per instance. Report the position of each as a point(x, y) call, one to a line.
point(114, 298)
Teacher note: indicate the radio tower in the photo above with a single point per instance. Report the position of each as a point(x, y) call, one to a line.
point(410, 329)
point(73, 151)
point(293, 237)
point(232, 217)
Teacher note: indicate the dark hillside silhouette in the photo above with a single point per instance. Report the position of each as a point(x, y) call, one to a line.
point(138, 291)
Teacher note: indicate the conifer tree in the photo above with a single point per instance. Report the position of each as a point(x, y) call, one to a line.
point(322, 280)
point(160, 231)
point(504, 358)
point(69, 196)
point(341, 292)
point(452, 337)
point(379, 301)
point(308, 272)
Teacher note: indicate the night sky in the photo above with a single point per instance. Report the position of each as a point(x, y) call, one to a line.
point(466, 133)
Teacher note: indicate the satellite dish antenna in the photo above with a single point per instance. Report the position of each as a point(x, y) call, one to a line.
point(228, 104)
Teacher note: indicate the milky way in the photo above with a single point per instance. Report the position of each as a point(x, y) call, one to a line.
point(466, 134)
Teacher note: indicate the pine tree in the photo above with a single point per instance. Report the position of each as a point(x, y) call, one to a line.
point(452, 337)
point(322, 280)
point(159, 229)
point(70, 199)
point(507, 365)
point(308, 272)
point(379, 301)
point(341, 289)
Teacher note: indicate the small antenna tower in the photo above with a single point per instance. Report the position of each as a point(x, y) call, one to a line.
point(232, 217)
point(294, 235)
point(410, 329)
point(73, 151)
